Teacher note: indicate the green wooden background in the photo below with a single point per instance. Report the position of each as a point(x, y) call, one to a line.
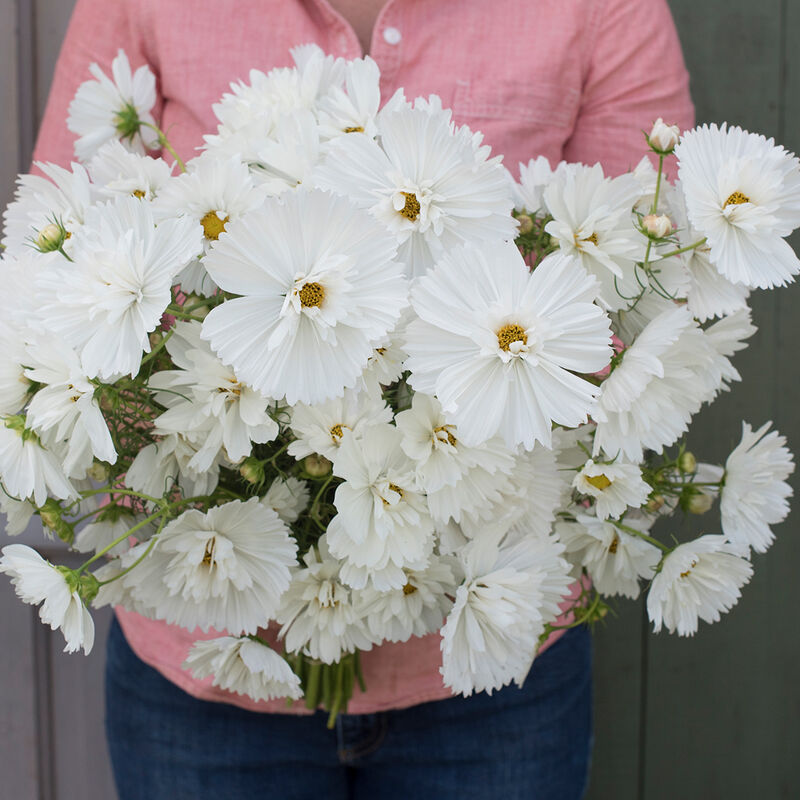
point(717, 716)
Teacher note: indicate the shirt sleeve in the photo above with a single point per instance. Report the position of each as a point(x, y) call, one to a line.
point(97, 30)
point(636, 74)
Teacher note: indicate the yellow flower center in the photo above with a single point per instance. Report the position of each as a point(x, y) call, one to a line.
point(138, 193)
point(208, 556)
point(395, 488)
point(312, 295)
point(686, 574)
point(409, 588)
point(354, 129)
point(612, 548)
point(213, 226)
point(411, 208)
point(737, 199)
point(451, 440)
point(598, 481)
point(579, 242)
point(337, 431)
point(509, 334)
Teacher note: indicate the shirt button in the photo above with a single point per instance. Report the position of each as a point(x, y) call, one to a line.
point(392, 36)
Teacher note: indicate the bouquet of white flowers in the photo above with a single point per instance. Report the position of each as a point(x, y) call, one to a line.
point(342, 375)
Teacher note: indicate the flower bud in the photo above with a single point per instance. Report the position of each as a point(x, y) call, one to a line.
point(663, 138)
point(687, 462)
point(655, 503)
point(699, 503)
point(316, 465)
point(50, 238)
point(98, 471)
point(199, 309)
point(525, 224)
point(252, 470)
point(657, 225)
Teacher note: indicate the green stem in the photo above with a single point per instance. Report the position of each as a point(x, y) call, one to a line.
point(141, 558)
point(122, 538)
point(654, 209)
point(158, 348)
point(633, 532)
point(682, 250)
point(163, 141)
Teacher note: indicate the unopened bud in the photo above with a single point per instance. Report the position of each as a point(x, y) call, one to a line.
point(50, 514)
point(687, 463)
point(50, 238)
point(98, 471)
point(699, 503)
point(664, 138)
point(525, 224)
point(657, 225)
point(252, 470)
point(316, 465)
point(198, 305)
point(655, 503)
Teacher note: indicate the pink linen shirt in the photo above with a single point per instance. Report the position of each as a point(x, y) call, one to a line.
point(568, 79)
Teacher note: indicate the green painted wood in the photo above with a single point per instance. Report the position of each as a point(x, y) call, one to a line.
point(722, 709)
point(618, 689)
point(51, 20)
point(9, 120)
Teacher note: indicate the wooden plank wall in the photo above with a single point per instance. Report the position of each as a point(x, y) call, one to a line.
point(716, 716)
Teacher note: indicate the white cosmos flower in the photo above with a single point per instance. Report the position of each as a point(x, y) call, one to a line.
point(664, 377)
point(158, 466)
point(205, 395)
point(16, 513)
point(615, 486)
point(319, 428)
point(244, 666)
point(441, 460)
point(414, 609)
point(225, 569)
point(249, 114)
point(287, 498)
point(534, 178)
point(491, 635)
point(425, 181)
point(320, 615)
point(38, 581)
point(65, 408)
point(592, 219)
point(742, 194)
point(499, 346)
point(107, 301)
point(14, 384)
point(699, 579)
point(529, 497)
point(754, 490)
point(386, 364)
point(287, 158)
point(354, 108)
point(319, 289)
point(212, 192)
point(117, 171)
point(382, 525)
point(61, 197)
point(710, 294)
point(280, 91)
point(108, 108)
point(615, 560)
point(27, 469)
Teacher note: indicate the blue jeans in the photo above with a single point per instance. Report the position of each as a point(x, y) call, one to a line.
point(531, 743)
